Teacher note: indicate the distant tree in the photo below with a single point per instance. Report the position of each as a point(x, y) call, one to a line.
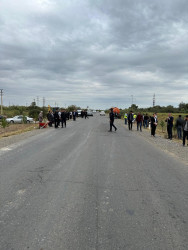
point(133, 107)
point(72, 108)
point(183, 107)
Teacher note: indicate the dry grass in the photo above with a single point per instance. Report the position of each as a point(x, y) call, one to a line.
point(14, 129)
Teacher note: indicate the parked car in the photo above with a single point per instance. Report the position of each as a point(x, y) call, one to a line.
point(102, 113)
point(79, 112)
point(89, 113)
point(19, 119)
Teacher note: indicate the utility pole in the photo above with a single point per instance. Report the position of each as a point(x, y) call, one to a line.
point(154, 100)
point(38, 101)
point(132, 99)
point(1, 101)
point(43, 101)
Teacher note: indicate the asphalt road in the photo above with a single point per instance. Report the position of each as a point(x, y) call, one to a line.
point(82, 187)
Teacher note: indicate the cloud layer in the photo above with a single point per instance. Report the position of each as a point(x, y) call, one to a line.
point(94, 53)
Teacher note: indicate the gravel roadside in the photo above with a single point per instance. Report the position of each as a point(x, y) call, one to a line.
point(171, 147)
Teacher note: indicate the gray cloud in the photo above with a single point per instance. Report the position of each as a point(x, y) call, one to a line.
point(94, 53)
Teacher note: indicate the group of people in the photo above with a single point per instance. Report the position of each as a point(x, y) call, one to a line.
point(181, 126)
point(59, 117)
point(145, 120)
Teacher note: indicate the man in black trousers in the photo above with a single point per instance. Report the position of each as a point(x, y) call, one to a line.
point(63, 118)
point(153, 125)
point(56, 118)
point(169, 121)
point(130, 120)
point(111, 115)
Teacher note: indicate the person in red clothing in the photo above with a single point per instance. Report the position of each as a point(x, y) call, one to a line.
point(139, 120)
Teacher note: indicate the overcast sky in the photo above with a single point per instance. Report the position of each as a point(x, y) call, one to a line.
point(96, 53)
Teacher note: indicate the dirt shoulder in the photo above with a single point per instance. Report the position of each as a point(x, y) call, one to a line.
point(14, 129)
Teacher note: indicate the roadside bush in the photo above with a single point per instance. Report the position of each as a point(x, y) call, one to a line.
point(162, 124)
point(4, 123)
point(24, 119)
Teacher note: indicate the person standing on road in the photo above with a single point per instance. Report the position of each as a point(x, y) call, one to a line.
point(74, 115)
point(169, 121)
point(153, 125)
point(111, 115)
point(125, 118)
point(130, 120)
point(40, 117)
point(50, 118)
point(179, 126)
point(185, 130)
point(56, 118)
point(146, 118)
point(63, 118)
point(139, 120)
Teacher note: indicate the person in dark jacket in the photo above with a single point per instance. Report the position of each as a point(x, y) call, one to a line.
point(63, 118)
point(50, 118)
point(139, 120)
point(179, 126)
point(130, 120)
point(56, 118)
point(111, 116)
point(146, 118)
point(185, 130)
point(169, 121)
point(74, 114)
point(85, 114)
point(153, 125)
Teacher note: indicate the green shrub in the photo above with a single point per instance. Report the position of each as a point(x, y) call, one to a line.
point(162, 124)
point(4, 123)
point(24, 119)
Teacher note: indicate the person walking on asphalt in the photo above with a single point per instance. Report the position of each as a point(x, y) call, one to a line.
point(153, 125)
point(185, 130)
point(85, 114)
point(130, 120)
point(111, 115)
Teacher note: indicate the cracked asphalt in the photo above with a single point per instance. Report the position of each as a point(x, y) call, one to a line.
point(83, 188)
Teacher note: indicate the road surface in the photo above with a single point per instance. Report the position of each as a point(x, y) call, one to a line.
point(83, 188)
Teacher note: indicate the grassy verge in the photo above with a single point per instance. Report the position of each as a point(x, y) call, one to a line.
point(15, 129)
